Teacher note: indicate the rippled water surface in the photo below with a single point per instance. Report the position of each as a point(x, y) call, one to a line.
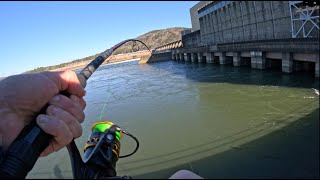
point(218, 121)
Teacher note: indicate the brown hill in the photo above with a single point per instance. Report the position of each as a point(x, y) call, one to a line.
point(152, 39)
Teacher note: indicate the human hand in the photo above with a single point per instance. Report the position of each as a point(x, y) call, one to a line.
point(23, 96)
point(65, 115)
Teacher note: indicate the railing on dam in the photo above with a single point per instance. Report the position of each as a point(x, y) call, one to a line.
point(169, 46)
point(163, 53)
point(301, 45)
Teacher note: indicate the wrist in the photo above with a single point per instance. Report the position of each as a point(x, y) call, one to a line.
point(9, 127)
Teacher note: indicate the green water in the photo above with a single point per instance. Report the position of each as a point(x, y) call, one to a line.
point(218, 121)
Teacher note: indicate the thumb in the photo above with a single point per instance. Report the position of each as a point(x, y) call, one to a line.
point(67, 81)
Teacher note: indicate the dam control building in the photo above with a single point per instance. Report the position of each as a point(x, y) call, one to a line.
point(260, 34)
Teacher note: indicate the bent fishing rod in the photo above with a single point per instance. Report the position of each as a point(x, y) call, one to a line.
point(102, 149)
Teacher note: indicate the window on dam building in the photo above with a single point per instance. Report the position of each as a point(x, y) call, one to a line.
point(236, 21)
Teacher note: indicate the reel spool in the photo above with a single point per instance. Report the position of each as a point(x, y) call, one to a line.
point(102, 149)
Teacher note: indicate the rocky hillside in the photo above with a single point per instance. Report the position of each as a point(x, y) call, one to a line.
point(155, 39)
point(152, 39)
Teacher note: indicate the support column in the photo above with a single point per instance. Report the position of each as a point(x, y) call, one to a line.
point(185, 56)
point(253, 60)
point(317, 68)
point(188, 57)
point(222, 58)
point(177, 57)
point(287, 62)
point(173, 55)
point(258, 60)
point(181, 57)
point(236, 59)
point(193, 57)
point(209, 57)
point(200, 58)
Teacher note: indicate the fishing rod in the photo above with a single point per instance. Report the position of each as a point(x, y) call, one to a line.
point(102, 149)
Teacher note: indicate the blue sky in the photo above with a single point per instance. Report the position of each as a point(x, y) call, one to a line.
point(35, 34)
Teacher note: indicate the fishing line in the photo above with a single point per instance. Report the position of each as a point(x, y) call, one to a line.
point(135, 47)
point(104, 105)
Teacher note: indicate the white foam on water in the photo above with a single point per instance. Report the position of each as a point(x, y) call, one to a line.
point(308, 97)
point(316, 91)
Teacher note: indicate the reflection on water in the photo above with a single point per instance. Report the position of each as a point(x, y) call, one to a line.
point(218, 121)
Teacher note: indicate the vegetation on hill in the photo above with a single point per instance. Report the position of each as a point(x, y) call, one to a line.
point(152, 39)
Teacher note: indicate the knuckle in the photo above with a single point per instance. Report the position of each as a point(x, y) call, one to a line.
point(79, 101)
point(65, 117)
point(74, 98)
point(82, 117)
point(69, 137)
point(70, 72)
point(78, 113)
point(73, 108)
point(61, 101)
point(52, 128)
point(84, 103)
point(68, 121)
point(78, 132)
point(66, 102)
point(49, 110)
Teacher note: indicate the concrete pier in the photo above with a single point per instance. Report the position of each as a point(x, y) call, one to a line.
point(189, 57)
point(317, 68)
point(194, 57)
point(185, 56)
point(209, 57)
point(222, 58)
point(200, 57)
point(253, 60)
point(258, 59)
point(173, 55)
point(181, 56)
point(287, 62)
point(236, 59)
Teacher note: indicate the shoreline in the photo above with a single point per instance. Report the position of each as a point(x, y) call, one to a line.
point(114, 59)
point(111, 60)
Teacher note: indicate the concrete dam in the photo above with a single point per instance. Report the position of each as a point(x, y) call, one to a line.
point(261, 34)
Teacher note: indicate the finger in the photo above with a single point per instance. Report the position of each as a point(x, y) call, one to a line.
point(67, 80)
point(72, 123)
point(68, 105)
point(79, 100)
point(54, 146)
point(47, 151)
point(57, 128)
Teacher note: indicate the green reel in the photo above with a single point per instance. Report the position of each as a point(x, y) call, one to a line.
point(102, 149)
